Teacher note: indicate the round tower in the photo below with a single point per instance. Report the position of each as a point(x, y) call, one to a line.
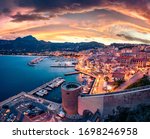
point(70, 93)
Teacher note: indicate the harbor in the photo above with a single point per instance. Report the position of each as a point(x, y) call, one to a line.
point(63, 65)
point(47, 87)
point(85, 80)
point(39, 80)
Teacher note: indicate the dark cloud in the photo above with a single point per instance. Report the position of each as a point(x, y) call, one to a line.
point(5, 7)
point(5, 11)
point(51, 7)
point(46, 5)
point(132, 38)
point(24, 17)
point(60, 7)
point(66, 6)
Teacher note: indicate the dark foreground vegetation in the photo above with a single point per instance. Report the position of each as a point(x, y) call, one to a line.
point(123, 114)
point(142, 82)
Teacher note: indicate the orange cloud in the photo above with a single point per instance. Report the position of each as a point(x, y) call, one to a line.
point(96, 20)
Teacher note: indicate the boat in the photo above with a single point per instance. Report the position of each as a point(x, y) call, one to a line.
point(45, 92)
point(48, 88)
point(42, 92)
point(51, 85)
point(58, 83)
point(31, 64)
point(39, 94)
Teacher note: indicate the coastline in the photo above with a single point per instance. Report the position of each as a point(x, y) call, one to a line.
point(25, 78)
point(34, 78)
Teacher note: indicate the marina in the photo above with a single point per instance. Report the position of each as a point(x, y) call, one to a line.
point(42, 76)
point(63, 65)
point(47, 87)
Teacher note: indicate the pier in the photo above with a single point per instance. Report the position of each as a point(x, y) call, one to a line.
point(36, 61)
point(45, 88)
point(71, 73)
point(62, 66)
point(79, 71)
point(86, 73)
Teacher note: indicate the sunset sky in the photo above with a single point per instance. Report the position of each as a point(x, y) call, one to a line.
point(105, 21)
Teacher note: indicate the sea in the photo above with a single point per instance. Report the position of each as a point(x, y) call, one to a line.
point(16, 76)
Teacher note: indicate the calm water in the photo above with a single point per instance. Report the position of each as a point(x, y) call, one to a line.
point(17, 76)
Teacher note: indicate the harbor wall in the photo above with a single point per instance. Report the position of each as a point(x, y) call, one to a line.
point(109, 102)
point(11, 98)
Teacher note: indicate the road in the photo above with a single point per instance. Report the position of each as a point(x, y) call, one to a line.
point(98, 86)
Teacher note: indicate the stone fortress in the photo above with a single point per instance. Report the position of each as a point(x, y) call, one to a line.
point(74, 102)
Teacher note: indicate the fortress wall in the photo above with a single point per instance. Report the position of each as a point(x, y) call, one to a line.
point(90, 103)
point(125, 100)
point(106, 103)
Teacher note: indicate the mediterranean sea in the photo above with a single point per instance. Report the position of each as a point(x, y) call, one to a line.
point(16, 76)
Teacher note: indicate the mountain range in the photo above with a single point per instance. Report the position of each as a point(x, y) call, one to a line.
point(31, 44)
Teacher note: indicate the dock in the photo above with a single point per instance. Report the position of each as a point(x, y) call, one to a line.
point(71, 73)
point(35, 61)
point(86, 73)
point(45, 88)
point(62, 66)
point(52, 105)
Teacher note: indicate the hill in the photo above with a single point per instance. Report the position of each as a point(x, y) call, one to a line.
point(31, 44)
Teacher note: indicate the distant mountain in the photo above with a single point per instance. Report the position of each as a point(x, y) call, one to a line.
point(31, 44)
point(27, 38)
point(126, 45)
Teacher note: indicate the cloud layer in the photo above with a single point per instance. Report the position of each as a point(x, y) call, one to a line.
point(99, 20)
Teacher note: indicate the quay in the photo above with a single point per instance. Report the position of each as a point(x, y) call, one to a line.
point(11, 99)
point(52, 105)
point(47, 87)
point(88, 74)
point(81, 71)
point(71, 73)
point(62, 66)
point(36, 61)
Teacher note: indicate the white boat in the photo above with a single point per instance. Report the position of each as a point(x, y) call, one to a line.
point(45, 92)
point(39, 94)
point(51, 85)
point(48, 88)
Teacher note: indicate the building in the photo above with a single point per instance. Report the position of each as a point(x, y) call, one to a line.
point(70, 92)
point(118, 76)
